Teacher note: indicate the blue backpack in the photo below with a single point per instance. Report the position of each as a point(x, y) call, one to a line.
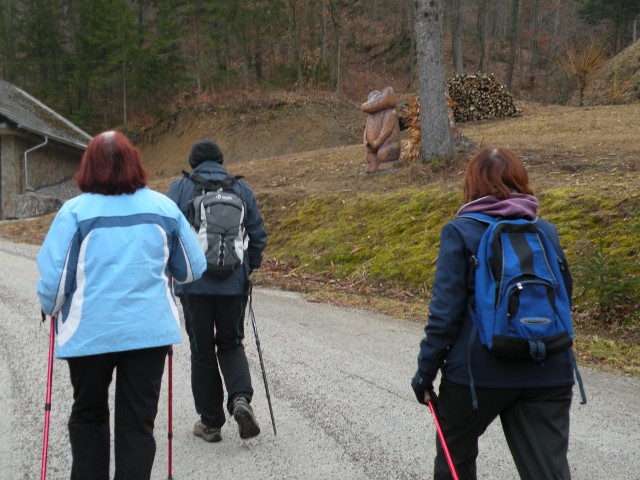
point(522, 309)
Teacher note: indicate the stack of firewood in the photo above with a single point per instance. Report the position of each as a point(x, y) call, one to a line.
point(478, 96)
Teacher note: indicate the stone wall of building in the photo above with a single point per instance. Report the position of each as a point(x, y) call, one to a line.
point(53, 163)
point(11, 173)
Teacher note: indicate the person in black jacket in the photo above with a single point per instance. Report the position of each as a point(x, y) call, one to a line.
point(214, 310)
point(531, 398)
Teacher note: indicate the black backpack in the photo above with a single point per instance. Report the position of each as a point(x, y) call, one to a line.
point(216, 213)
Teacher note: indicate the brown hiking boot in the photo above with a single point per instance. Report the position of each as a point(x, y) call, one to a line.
point(246, 420)
point(209, 434)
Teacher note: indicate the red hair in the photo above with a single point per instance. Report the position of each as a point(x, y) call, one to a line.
point(111, 166)
point(495, 172)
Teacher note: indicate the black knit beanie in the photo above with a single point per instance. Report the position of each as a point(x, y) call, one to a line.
point(205, 150)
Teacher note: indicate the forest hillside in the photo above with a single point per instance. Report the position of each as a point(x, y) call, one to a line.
point(125, 63)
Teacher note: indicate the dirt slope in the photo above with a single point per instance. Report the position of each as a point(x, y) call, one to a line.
point(246, 134)
point(618, 81)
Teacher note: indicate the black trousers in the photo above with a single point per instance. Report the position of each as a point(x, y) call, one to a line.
point(535, 422)
point(138, 380)
point(215, 325)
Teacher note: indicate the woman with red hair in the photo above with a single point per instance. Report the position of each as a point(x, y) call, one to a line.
point(532, 398)
point(105, 267)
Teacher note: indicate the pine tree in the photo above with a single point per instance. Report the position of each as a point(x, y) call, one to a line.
point(620, 12)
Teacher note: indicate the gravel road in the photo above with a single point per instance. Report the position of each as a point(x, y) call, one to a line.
point(339, 382)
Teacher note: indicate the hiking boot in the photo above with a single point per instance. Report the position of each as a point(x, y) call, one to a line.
point(209, 434)
point(246, 420)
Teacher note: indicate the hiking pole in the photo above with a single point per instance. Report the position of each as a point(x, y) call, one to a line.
point(47, 404)
point(170, 401)
point(452, 467)
point(264, 373)
point(170, 415)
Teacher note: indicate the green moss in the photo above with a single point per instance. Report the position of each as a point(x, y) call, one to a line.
point(622, 355)
point(392, 238)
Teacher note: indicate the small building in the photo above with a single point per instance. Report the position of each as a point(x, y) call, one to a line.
point(38, 147)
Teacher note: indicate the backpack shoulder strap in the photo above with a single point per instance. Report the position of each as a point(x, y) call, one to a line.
point(210, 184)
point(481, 217)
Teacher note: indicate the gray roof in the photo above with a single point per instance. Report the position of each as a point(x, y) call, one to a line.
point(31, 115)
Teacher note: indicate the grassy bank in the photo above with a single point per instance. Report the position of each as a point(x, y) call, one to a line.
point(384, 247)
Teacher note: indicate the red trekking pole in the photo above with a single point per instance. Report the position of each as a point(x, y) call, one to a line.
point(47, 404)
point(170, 401)
point(452, 467)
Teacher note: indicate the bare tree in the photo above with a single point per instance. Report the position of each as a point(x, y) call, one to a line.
point(436, 139)
point(480, 29)
point(456, 37)
point(335, 9)
point(581, 63)
point(412, 46)
point(513, 41)
point(535, 33)
point(294, 33)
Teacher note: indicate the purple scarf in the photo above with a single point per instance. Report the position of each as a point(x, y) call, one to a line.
point(518, 205)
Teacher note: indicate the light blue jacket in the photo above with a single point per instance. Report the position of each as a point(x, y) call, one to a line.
point(105, 267)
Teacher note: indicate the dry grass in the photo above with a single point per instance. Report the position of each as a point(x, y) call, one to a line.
point(595, 134)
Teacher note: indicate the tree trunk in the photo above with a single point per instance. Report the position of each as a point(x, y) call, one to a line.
point(196, 49)
point(456, 37)
point(412, 45)
point(480, 29)
point(436, 139)
point(337, 39)
point(405, 18)
point(124, 94)
point(513, 42)
point(325, 41)
point(496, 28)
point(535, 28)
point(295, 42)
point(257, 65)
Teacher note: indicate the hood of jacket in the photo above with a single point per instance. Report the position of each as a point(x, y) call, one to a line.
point(519, 205)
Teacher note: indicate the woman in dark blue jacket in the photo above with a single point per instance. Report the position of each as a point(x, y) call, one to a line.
point(531, 398)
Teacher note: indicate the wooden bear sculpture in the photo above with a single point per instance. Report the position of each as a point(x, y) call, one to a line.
point(381, 131)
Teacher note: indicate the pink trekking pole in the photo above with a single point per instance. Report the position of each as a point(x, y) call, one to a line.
point(452, 467)
point(170, 401)
point(47, 404)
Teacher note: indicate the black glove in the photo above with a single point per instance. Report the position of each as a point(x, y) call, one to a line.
point(420, 387)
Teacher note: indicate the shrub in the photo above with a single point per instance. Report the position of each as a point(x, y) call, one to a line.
point(608, 280)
